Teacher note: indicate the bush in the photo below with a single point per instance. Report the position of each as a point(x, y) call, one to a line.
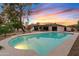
point(4, 29)
point(1, 47)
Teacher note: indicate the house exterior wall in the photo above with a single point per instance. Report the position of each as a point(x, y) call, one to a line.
point(60, 28)
point(68, 29)
point(50, 28)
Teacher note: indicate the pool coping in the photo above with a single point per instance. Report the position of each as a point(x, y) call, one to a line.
point(10, 51)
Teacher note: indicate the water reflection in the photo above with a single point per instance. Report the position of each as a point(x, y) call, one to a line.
point(22, 46)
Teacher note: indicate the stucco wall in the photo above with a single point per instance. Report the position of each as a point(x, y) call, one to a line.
point(68, 29)
point(50, 28)
point(60, 28)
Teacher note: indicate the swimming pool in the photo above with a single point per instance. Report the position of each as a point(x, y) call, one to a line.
point(41, 43)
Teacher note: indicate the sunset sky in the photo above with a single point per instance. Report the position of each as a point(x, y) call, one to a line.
point(61, 13)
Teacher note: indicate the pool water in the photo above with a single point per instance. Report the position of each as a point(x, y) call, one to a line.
point(41, 43)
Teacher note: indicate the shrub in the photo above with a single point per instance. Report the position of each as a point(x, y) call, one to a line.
point(1, 47)
point(4, 29)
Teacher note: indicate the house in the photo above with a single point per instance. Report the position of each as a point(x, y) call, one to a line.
point(71, 28)
point(48, 27)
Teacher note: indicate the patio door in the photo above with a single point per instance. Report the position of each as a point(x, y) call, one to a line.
point(54, 28)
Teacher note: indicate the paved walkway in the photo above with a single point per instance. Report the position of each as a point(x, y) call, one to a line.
point(75, 49)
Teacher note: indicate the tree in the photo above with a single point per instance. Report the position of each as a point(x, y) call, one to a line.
point(1, 19)
point(21, 7)
point(77, 26)
point(8, 14)
point(13, 13)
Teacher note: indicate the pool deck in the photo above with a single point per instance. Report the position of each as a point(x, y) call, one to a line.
point(75, 49)
point(62, 50)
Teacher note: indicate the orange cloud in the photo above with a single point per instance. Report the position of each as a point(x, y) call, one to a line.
point(56, 20)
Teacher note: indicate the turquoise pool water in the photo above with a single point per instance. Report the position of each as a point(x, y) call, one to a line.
point(41, 43)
